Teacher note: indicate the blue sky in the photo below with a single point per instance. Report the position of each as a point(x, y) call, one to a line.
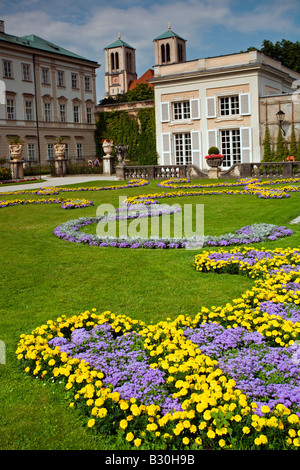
point(211, 27)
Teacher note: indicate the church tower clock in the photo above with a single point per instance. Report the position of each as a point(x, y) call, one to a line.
point(120, 67)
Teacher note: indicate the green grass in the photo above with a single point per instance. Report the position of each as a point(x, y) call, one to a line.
point(43, 277)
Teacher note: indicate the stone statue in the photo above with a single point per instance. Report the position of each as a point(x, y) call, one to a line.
point(121, 151)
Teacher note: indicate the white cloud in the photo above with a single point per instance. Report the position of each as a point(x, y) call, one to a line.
point(87, 28)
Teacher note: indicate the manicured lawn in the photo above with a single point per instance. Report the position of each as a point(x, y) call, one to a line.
point(43, 277)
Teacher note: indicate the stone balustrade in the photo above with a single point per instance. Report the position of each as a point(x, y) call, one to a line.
point(239, 170)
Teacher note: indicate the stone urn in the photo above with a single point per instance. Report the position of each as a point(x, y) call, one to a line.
point(108, 147)
point(108, 159)
point(16, 151)
point(59, 150)
point(214, 161)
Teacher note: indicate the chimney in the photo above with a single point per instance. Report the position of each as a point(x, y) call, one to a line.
point(2, 26)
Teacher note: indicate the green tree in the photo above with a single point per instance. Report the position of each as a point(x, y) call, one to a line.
point(267, 146)
point(280, 147)
point(293, 146)
point(286, 52)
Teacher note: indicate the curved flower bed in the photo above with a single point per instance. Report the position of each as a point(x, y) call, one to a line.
point(253, 186)
point(65, 203)
point(54, 190)
point(256, 233)
point(229, 378)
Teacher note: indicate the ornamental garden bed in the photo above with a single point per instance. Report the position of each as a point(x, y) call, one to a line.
point(240, 306)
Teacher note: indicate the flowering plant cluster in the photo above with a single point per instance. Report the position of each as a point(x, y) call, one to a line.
point(229, 378)
point(107, 141)
point(212, 156)
point(256, 233)
point(289, 159)
point(65, 203)
point(252, 186)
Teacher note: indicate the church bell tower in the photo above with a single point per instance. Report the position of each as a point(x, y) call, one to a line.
point(120, 67)
point(169, 48)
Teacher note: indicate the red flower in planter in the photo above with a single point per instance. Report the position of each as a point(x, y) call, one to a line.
point(214, 156)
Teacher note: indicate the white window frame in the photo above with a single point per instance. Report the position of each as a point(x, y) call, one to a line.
point(74, 78)
point(79, 150)
point(183, 144)
point(28, 110)
point(26, 72)
point(76, 113)
point(89, 115)
point(233, 105)
point(60, 78)
point(50, 151)
point(87, 83)
point(45, 76)
point(10, 109)
point(181, 110)
point(62, 112)
point(234, 155)
point(7, 69)
point(31, 154)
point(47, 112)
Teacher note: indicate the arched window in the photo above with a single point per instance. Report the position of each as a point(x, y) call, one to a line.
point(168, 59)
point(117, 60)
point(163, 55)
point(180, 53)
point(112, 59)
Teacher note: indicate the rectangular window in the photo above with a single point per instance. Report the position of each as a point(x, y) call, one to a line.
point(31, 152)
point(229, 105)
point(66, 150)
point(26, 72)
point(7, 69)
point(50, 151)
point(87, 84)
point(74, 80)
point(183, 149)
point(45, 76)
point(10, 109)
point(181, 110)
point(47, 112)
point(76, 113)
point(231, 147)
point(28, 111)
point(62, 112)
point(60, 78)
point(89, 115)
point(79, 151)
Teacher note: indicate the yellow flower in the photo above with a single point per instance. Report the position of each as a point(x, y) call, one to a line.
point(137, 442)
point(91, 423)
point(211, 434)
point(265, 409)
point(222, 443)
point(123, 424)
point(185, 441)
point(129, 437)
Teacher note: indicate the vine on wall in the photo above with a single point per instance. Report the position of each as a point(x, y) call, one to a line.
point(138, 133)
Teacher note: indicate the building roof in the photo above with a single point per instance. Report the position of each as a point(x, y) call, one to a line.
point(35, 42)
point(143, 79)
point(169, 34)
point(119, 43)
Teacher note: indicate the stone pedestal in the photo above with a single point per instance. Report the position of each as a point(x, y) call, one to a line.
point(60, 166)
point(17, 170)
point(214, 173)
point(108, 165)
